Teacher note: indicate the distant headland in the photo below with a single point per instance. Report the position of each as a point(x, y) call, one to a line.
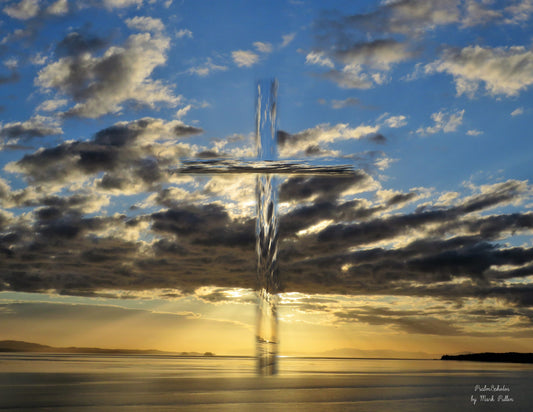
point(508, 357)
point(21, 346)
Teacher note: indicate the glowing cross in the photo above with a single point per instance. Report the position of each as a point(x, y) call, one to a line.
point(266, 166)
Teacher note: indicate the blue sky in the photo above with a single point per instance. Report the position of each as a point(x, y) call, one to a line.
point(429, 100)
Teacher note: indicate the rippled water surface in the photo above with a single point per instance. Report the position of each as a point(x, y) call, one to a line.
point(159, 382)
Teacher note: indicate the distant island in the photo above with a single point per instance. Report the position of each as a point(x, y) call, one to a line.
point(21, 346)
point(508, 357)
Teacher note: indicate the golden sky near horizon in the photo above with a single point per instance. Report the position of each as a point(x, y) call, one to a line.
point(223, 322)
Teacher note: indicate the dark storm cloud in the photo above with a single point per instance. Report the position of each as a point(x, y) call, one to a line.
point(184, 130)
point(23, 131)
point(389, 227)
point(78, 43)
point(37, 126)
point(378, 138)
point(127, 153)
point(198, 245)
point(321, 188)
point(205, 225)
point(408, 17)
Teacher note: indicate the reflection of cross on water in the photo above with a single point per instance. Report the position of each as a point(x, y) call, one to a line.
point(266, 167)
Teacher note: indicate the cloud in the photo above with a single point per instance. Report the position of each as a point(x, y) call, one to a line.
point(504, 71)
point(519, 12)
point(287, 39)
point(319, 59)
point(183, 111)
point(479, 13)
point(23, 10)
point(378, 54)
point(410, 321)
point(244, 58)
point(340, 104)
point(395, 122)
point(474, 132)
point(377, 138)
point(368, 45)
point(408, 17)
point(75, 44)
point(366, 64)
point(333, 240)
point(101, 84)
point(517, 112)
point(58, 8)
point(146, 24)
point(129, 156)
point(51, 105)
point(444, 121)
point(118, 4)
point(293, 144)
point(263, 47)
point(37, 126)
point(184, 33)
point(323, 189)
point(207, 68)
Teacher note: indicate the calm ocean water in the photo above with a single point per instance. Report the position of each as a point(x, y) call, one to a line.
point(47, 382)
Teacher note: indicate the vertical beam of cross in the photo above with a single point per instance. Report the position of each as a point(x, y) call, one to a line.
point(266, 167)
point(266, 231)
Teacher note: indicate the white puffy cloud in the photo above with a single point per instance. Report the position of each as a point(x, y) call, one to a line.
point(263, 47)
point(517, 112)
point(350, 77)
point(51, 105)
point(395, 121)
point(504, 71)
point(319, 59)
point(184, 33)
point(291, 145)
point(444, 121)
point(474, 132)
point(145, 23)
point(58, 8)
point(23, 10)
point(100, 84)
point(244, 58)
point(183, 111)
point(365, 64)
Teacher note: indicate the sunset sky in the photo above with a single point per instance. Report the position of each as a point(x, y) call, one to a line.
point(427, 249)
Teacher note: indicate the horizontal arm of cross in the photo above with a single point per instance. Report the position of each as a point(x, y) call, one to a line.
point(226, 166)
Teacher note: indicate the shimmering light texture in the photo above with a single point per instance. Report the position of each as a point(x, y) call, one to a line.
point(266, 231)
point(267, 274)
point(281, 167)
point(265, 112)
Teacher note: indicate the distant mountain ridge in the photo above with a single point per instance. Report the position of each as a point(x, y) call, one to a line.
point(21, 346)
point(508, 357)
